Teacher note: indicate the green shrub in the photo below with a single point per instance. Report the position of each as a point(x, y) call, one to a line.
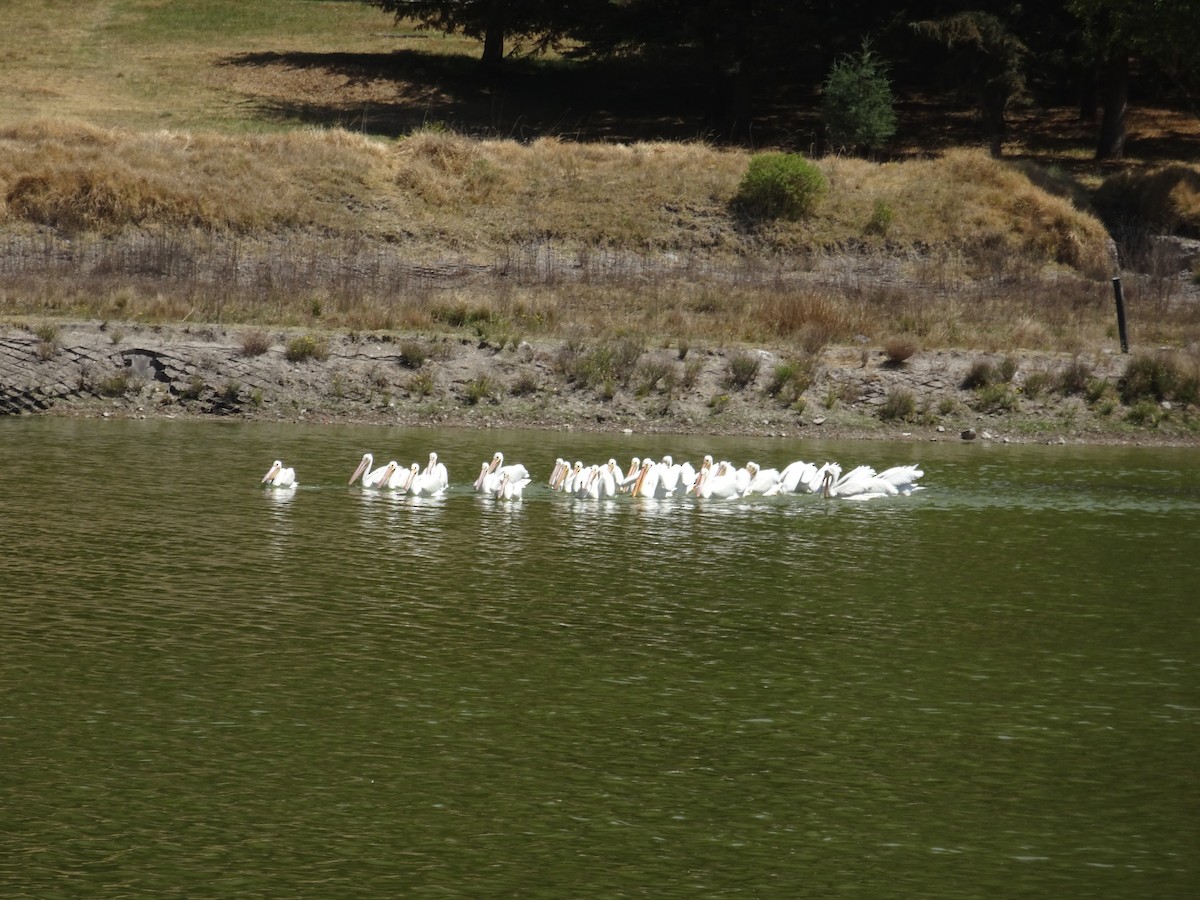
point(1163, 376)
point(194, 389)
point(306, 346)
point(118, 384)
point(789, 380)
point(881, 219)
point(856, 102)
point(1145, 412)
point(1097, 389)
point(718, 403)
point(1036, 383)
point(998, 397)
point(479, 388)
point(413, 354)
point(742, 370)
point(421, 384)
point(899, 405)
point(780, 185)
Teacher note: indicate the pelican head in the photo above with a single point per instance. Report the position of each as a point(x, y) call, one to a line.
point(275, 467)
point(827, 483)
point(363, 466)
point(484, 469)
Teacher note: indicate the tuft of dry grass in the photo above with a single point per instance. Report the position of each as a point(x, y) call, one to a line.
point(255, 342)
point(898, 349)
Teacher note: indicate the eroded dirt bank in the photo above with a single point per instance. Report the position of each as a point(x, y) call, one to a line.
point(108, 369)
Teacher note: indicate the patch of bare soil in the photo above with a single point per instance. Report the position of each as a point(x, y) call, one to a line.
point(95, 369)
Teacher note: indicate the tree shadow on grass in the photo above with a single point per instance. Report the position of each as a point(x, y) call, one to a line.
point(394, 93)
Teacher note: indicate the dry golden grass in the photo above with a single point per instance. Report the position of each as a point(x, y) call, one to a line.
point(165, 140)
point(443, 190)
point(1162, 199)
point(437, 230)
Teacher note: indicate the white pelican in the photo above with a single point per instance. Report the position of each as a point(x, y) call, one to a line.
point(675, 478)
point(860, 483)
point(798, 476)
point(596, 482)
point(650, 481)
point(487, 481)
point(719, 481)
point(516, 470)
point(557, 474)
point(904, 478)
point(511, 488)
point(392, 477)
point(422, 484)
point(437, 471)
point(631, 474)
point(761, 481)
point(609, 474)
point(370, 478)
point(570, 481)
point(279, 476)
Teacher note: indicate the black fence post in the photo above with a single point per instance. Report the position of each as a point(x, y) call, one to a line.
point(1121, 315)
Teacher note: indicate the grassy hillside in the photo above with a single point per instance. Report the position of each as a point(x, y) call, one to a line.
point(293, 161)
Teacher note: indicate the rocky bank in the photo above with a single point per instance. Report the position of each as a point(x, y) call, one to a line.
point(132, 370)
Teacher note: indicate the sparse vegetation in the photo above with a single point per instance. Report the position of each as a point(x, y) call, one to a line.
point(525, 384)
point(422, 384)
point(981, 374)
point(742, 370)
point(650, 374)
point(255, 342)
point(306, 346)
point(995, 398)
point(1073, 378)
point(413, 354)
point(899, 405)
point(480, 388)
point(1161, 376)
point(116, 384)
point(194, 388)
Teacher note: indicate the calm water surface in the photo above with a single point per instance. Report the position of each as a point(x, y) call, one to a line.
point(986, 689)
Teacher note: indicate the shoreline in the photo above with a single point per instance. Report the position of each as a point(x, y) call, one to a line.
point(130, 370)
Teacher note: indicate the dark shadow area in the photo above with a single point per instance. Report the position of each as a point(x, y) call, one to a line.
point(611, 100)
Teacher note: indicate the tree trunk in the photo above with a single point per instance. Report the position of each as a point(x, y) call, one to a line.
point(993, 102)
point(493, 38)
point(1114, 97)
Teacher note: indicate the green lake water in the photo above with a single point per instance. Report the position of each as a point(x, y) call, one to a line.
point(208, 689)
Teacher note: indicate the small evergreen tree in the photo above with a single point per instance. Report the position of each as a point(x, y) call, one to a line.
point(857, 102)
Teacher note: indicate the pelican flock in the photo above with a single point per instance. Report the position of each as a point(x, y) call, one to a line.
point(643, 478)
